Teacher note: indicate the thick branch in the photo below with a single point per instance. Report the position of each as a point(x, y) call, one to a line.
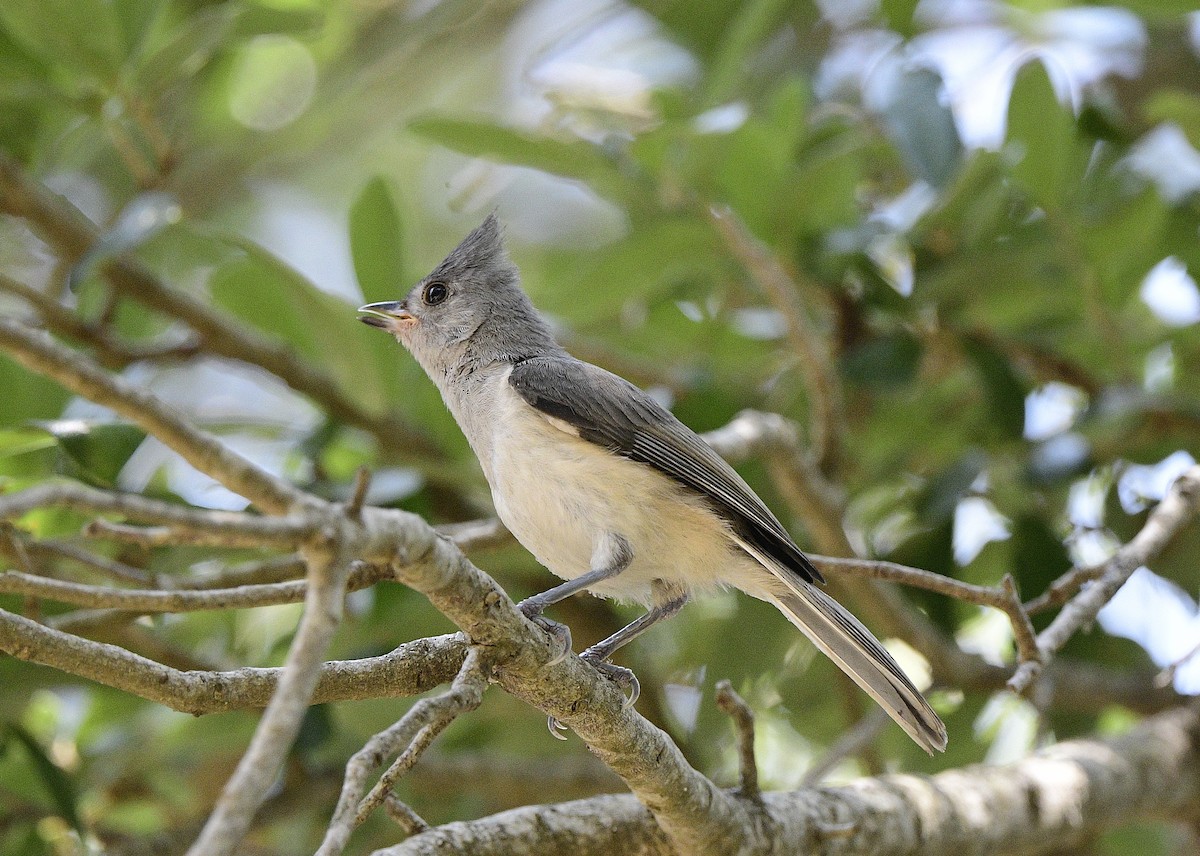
point(695, 813)
point(1041, 804)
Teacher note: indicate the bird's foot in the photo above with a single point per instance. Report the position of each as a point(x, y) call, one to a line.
point(624, 678)
point(532, 609)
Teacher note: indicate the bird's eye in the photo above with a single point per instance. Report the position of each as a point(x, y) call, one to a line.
point(435, 293)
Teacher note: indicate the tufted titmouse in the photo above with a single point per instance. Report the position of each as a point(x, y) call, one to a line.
point(604, 486)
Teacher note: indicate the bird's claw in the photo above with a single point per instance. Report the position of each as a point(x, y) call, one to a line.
point(557, 729)
point(618, 674)
point(555, 629)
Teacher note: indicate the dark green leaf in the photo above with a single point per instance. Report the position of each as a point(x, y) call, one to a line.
point(885, 362)
point(83, 35)
point(257, 19)
point(570, 159)
point(97, 451)
point(55, 780)
point(898, 14)
point(937, 501)
point(931, 549)
point(376, 244)
point(1005, 391)
point(1038, 555)
point(755, 21)
point(27, 396)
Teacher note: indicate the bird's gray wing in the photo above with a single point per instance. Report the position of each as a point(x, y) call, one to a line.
point(611, 412)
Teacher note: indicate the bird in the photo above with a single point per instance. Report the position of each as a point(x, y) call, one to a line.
point(606, 487)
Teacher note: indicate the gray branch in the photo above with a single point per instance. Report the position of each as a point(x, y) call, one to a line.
point(1041, 804)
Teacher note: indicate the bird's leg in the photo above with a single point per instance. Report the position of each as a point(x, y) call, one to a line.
point(599, 653)
point(611, 556)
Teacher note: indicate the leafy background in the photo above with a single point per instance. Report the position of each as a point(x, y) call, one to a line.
point(991, 208)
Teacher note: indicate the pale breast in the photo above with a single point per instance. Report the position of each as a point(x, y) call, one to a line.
point(560, 495)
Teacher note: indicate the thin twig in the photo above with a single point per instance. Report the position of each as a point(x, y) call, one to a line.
point(110, 351)
point(851, 742)
point(146, 600)
point(477, 534)
point(404, 816)
point(201, 526)
point(1063, 589)
point(1002, 597)
point(743, 724)
point(412, 734)
point(248, 786)
point(92, 561)
point(808, 341)
point(362, 483)
point(72, 370)
point(1180, 504)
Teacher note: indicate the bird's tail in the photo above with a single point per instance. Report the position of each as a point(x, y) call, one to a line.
point(848, 643)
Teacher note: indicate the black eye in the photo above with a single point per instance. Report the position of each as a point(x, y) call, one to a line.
point(435, 293)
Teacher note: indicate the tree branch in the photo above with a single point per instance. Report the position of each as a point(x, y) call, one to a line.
point(71, 234)
point(412, 668)
point(80, 375)
point(1040, 804)
point(247, 787)
point(149, 600)
point(189, 525)
point(1177, 508)
point(414, 733)
point(807, 340)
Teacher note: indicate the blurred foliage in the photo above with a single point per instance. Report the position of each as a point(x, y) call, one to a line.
point(285, 160)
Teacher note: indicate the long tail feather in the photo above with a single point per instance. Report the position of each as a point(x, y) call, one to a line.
point(845, 641)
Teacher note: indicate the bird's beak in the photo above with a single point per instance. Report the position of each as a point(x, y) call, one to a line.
point(390, 315)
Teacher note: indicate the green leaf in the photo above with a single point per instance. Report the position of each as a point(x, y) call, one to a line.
point(1038, 555)
point(137, 19)
point(268, 294)
point(1124, 243)
point(1041, 133)
point(27, 396)
point(922, 124)
point(1005, 391)
point(375, 242)
point(756, 19)
point(188, 49)
point(57, 783)
point(83, 35)
point(570, 159)
point(1178, 106)
point(898, 14)
point(256, 19)
point(937, 501)
point(885, 362)
point(98, 451)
